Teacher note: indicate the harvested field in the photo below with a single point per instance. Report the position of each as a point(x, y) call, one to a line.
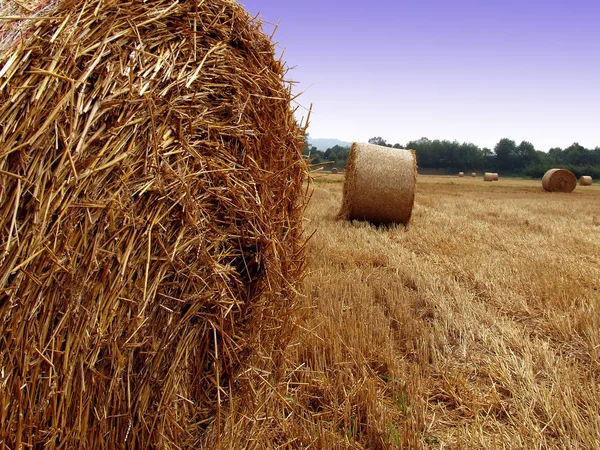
point(477, 326)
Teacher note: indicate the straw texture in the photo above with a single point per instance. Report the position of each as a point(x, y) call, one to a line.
point(585, 180)
point(461, 174)
point(151, 191)
point(379, 184)
point(559, 180)
point(488, 176)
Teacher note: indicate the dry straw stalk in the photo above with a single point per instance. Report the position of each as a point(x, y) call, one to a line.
point(559, 180)
point(379, 184)
point(151, 193)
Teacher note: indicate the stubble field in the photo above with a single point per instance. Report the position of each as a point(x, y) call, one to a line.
point(477, 326)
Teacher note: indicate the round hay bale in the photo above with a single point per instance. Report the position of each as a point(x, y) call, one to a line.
point(461, 174)
point(495, 176)
point(473, 174)
point(559, 180)
point(586, 180)
point(379, 184)
point(488, 176)
point(151, 179)
point(334, 170)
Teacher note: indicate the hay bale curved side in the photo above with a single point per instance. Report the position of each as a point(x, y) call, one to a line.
point(586, 180)
point(559, 180)
point(488, 176)
point(495, 176)
point(473, 174)
point(461, 174)
point(334, 171)
point(379, 184)
point(151, 187)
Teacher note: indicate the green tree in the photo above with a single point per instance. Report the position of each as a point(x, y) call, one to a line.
point(378, 140)
point(426, 156)
point(470, 156)
point(313, 154)
point(556, 155)
point(451, 151)
point(338, 154)
point(595, 156)
point(505, 150)
point(526, 154)
point(577, 155)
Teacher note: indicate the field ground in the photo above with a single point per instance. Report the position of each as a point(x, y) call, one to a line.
point(477, 326)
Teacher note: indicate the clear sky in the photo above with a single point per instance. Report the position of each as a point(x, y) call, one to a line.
point(470, 70)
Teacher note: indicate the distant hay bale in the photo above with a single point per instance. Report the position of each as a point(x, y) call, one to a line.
point(151, 179)
point(586, 180)
point(473, 174)
point(495, 176)
point(461, 174)
point(379, 184)
point(334, 170)
point(559, 180)
point(488, 176)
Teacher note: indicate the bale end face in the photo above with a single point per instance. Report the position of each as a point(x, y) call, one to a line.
point(334, 171)
point(559, 180)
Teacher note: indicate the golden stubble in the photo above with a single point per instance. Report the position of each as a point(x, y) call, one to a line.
point(477, 326)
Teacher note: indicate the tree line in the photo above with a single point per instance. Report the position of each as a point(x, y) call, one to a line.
point(506, 157)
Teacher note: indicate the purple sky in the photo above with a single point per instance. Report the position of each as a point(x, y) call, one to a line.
point(469, 70)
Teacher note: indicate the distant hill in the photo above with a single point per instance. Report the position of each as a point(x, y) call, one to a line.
point(324, 144)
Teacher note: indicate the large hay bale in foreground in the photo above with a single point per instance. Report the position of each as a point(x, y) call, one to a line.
point(488, 176)
point(150, 178)
point(461, 174)
point(586, 180)
point(559, 180)
point(379, 184)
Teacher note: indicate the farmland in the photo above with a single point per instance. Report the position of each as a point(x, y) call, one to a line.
point(477, 326)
